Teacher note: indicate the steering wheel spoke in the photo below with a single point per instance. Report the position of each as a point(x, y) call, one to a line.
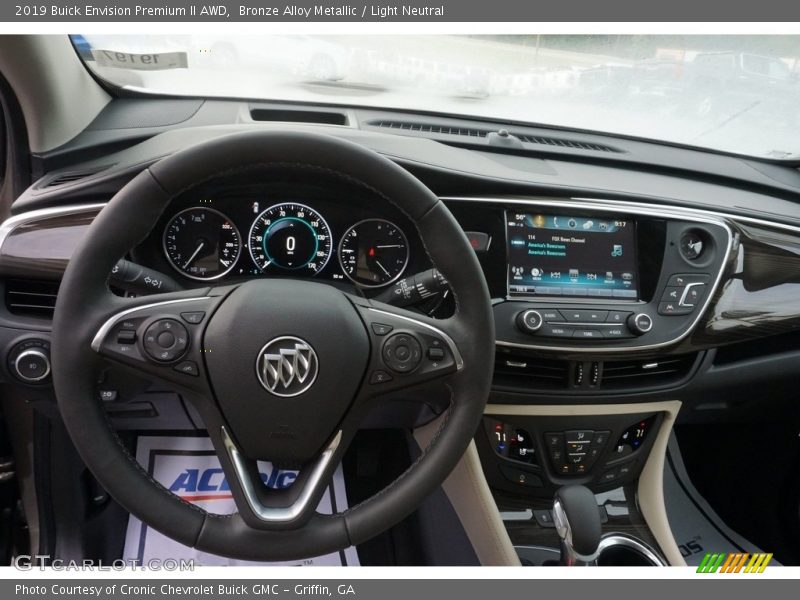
point(277, 506)
point(159, 336)
point(408, 349)
point(264, 507)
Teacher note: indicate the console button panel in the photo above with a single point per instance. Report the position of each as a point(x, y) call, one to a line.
point(537, 454)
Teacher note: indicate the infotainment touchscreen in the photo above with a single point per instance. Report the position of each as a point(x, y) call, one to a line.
point(571, 257)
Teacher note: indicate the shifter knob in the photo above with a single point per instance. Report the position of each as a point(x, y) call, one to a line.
point(577, 521)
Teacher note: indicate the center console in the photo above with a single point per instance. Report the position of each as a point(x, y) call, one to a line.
point(591, 299)
point(594, 277)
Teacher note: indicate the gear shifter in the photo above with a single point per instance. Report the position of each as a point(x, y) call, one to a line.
point(577, 522)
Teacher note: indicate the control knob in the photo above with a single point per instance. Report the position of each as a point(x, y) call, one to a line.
point(640, 323)
point(32, 365)
point(529, 321)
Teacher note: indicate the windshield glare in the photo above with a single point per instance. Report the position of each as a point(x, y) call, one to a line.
point(729, 93)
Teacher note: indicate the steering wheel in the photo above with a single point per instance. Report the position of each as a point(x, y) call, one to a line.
point(279, 370)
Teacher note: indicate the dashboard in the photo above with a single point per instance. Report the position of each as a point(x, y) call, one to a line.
point(617, 289)
point(590, 266)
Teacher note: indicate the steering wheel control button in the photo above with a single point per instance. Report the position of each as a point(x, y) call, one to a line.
point(188, 367)
point(402, 352)
point(193, 318)
point(640, 323)
point(126, 336)
point(29, 361)
point(436, 354)
point(530, 321)
point(381, 329)
point(165, 340)
point(379, 377)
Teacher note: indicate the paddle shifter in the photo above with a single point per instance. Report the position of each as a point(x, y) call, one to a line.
point(577, 522)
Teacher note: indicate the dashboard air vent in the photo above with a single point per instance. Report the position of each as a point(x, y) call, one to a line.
point(563, 143)
point(34, 298)
point(660, 372)
point(520, 371)
point(431, 128)
point(69, 177)
point(474, 132)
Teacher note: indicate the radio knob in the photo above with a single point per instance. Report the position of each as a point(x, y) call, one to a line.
point(640, 323)
point(529, 321)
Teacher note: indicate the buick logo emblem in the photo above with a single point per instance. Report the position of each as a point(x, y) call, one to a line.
point(287, 366)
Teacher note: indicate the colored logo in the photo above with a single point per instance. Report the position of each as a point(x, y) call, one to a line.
point(734, 562)
point(211, 484)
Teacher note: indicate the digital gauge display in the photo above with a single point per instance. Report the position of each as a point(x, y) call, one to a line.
point(292, 237)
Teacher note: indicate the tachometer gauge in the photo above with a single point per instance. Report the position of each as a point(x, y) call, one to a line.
point(373, 252)
point(290, 236)
point(202, 243)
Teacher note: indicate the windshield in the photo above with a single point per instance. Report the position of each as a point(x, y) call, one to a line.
point(730, 93)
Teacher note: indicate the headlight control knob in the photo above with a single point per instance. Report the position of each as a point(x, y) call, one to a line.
point(29, 361)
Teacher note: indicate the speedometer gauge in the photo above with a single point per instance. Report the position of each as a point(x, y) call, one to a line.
point(373, 252)
point(202, 243)
point(290, 236)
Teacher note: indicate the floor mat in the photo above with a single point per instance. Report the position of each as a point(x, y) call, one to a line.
point(696, 527)
point(188, 466)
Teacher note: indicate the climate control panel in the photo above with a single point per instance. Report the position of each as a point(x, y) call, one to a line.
point(537, 454)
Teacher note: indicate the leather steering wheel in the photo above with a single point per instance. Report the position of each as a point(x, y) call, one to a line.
point(284, 367)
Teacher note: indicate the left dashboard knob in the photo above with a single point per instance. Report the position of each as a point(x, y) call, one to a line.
point(29, 361)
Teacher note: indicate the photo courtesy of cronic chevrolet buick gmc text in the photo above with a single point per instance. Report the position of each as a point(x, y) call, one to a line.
point(400, 300)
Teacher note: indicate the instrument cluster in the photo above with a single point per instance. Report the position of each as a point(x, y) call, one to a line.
point(299, 231)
